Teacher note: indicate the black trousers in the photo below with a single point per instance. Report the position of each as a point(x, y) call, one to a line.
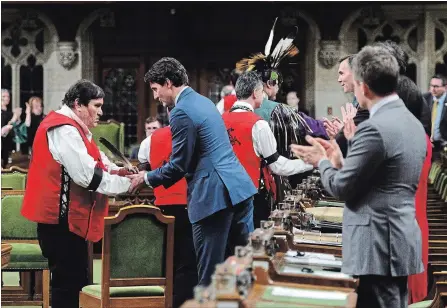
point(185, 265)
point(261, 208)
point(382, 292)
point(67, 256)
point(436, 151)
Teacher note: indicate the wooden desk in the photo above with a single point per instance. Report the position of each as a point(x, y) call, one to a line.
point(280, 271)
point(335, 250)
point(6, 254)
point(262, 295)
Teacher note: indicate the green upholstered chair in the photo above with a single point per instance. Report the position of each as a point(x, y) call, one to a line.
point(434, 171)
point(137, 261)
point(111, 130)
point(14, 178)
point(26, 255)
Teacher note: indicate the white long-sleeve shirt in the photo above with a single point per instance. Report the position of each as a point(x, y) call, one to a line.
point(221, 105)
point(67, 148)
point(143, 153)
point(264, 144)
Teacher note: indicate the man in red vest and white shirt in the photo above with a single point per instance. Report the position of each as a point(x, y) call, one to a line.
point(156, 150)
point(69, 181)
point(253, 140)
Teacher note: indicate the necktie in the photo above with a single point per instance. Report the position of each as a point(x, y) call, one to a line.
point(434, 113)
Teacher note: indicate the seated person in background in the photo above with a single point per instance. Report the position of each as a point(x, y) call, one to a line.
point(228, 97)
point(151, 125)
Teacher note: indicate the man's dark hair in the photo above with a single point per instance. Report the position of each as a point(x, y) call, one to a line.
point(167, 69)
point(349, 57)
point(414, 100)
point(84, 91)
point(377, 68)
point(234, 75)
point(397, 52)
point(247, 83)
point(439, 76)
point(153, 119)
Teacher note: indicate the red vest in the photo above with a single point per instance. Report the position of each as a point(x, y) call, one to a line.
point(160, 152)
point(42, 199)
point(239, 126)
point(229, 101)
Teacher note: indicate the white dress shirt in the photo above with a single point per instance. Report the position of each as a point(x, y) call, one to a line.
point(264, 144)
point(221, 105)
point(145, 148)
point(382, 102)
point(67, 148)
point(178, 95)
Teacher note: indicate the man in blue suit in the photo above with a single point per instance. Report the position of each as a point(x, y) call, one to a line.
point(220, 192)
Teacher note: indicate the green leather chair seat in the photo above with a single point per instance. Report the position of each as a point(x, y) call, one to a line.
point(26, 256)
point(15, 180)
point(95, 290)
point(422, 304)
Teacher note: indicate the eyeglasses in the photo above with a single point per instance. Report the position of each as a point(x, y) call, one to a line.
point(435, 86)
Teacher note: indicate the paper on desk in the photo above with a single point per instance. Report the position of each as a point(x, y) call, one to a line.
point(325, 256)
point(327, 274)
point(313, 261)
point(302, 293)
point(303, 241)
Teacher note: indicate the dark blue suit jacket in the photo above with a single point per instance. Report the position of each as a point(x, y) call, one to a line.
point(202, 153)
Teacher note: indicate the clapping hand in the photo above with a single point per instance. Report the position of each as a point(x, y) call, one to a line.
point(310, 154)
point(330, 128)
point(348, 120)
point(349, 112)
point(319, 149)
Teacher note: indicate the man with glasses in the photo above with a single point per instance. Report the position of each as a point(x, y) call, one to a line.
point(436, 100)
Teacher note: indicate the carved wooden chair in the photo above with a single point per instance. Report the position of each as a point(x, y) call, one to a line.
point(26, 255)
point(14, 178)
point(137, 261)
point(113, 131)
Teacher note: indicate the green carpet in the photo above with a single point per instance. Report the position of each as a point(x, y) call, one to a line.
point(12, 279)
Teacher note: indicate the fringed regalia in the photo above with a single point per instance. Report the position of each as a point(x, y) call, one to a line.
point(288, 124)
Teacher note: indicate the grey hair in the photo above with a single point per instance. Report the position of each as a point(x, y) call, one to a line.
point(378, 68)
point(226, 90)
point(6, 90)
point(246, 84)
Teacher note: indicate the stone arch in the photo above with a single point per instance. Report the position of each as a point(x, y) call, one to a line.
point(84, 39)
point(89, 20)
point(52, 33)
point(51, 38)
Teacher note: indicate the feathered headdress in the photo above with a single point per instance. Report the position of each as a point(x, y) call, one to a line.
point(267, 63)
